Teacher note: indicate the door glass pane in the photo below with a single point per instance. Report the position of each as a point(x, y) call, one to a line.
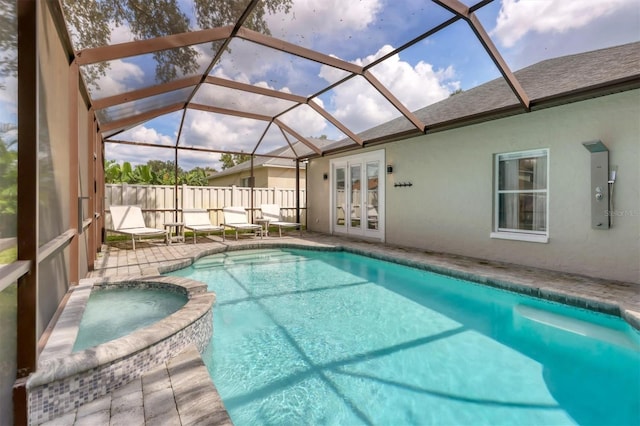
point(356, 208)
point(372, 195)
point(340, 196)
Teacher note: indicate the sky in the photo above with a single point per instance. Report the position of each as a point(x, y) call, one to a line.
point(524, 31)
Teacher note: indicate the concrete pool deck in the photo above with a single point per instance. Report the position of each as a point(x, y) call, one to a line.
point(151, 258)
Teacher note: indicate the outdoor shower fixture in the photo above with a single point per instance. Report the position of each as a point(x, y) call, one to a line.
point(601, 185)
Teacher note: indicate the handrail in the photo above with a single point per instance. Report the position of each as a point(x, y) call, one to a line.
point(52, 247)
point(86, 223)
point(12, 272)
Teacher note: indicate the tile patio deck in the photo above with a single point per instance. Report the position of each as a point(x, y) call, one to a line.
point(134, 404)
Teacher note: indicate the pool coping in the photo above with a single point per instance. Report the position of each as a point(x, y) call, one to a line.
point(65, 380)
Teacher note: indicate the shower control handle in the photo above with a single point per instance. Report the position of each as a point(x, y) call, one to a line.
point(599, 194)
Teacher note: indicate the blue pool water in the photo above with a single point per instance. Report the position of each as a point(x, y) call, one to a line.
point(306, 337)
point(110, 314)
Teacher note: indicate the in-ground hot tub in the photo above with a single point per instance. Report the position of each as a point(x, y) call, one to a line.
point(114, 313)
point(66, 379)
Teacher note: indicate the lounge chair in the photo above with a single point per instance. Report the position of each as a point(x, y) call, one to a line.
point(197, 220)
point(272, 213)
point(236, 219)
point(129, 220)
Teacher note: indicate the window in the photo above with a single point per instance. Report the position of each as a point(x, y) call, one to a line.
point(521, 194)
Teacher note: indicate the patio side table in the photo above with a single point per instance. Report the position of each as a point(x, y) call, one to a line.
point(265, 225)
point(179, 234)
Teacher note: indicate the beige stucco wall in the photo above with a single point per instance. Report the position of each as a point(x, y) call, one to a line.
point(449, 208)
point(284, 178)
point(266, 177)
point(236, 178)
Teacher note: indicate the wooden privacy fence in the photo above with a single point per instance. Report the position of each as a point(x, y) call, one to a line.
point(158, 202)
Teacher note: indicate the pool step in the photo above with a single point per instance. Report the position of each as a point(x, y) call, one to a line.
point(576, 326)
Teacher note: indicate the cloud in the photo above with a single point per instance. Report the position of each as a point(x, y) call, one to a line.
point(359, 106)
point(187, 160)
point(190, 159)
point(204, 55)
point(136, 154)
point(323, 25)
point(221, 132)
point(252, 64)
point(119, 79)
point(120, 34)
point(307, 18)
point(235, 133)
point(147, 135)
point(305, 120)
point(223, 97)
point(518, 18)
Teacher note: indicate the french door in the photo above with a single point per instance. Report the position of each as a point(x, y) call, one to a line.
point(357, 196)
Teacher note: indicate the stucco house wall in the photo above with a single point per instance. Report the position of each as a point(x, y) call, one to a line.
point(280, 177)
point(450, 206)
point(260, 174)
point(266, 177)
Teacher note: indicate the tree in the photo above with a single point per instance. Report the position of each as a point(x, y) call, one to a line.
point(195, 177)
point(90, 22)
point(230, 160)
point(165, 171)
point(456, 92)
point(155, 172)
point(142, 174)
point(112, 171)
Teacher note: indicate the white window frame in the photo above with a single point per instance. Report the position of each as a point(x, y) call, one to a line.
point(519, 234)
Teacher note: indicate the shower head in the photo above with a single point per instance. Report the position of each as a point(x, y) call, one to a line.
point(595, 146)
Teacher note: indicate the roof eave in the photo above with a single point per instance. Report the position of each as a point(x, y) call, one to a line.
point(615, 86)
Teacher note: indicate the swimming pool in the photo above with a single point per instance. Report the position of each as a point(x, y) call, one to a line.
point(311, 337)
